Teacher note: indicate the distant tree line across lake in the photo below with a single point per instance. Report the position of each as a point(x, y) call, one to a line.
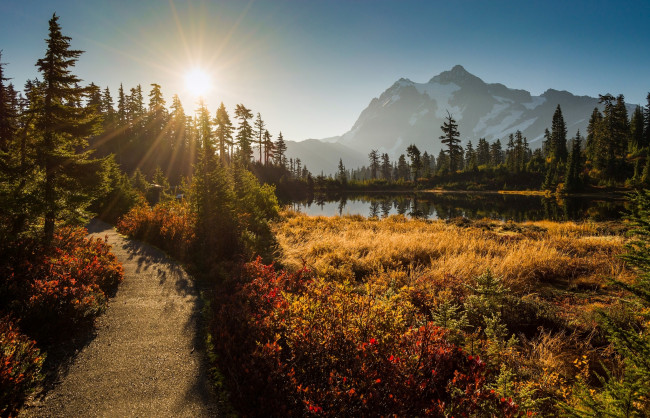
point(613, 153)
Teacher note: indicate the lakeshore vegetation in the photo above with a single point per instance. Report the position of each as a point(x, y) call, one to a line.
point(342, 316)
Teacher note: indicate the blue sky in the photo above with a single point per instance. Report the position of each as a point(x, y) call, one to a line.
point(310, 67)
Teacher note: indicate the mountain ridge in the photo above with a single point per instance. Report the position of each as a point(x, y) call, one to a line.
point(408, 112)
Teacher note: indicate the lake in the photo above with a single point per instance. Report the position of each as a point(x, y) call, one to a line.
point(466, 204)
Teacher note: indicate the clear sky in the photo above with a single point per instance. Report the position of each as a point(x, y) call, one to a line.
point(310, 67)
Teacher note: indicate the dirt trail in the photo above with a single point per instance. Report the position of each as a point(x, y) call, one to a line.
point(147, 358)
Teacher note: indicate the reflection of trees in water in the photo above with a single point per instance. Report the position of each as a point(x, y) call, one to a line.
point(386, 205)
point(342, 203)
point(374, 208)
point(473, 206)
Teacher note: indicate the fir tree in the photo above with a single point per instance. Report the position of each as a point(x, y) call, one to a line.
point(558, 147)
point(451, 138)
point(223, 131)
point(426, 164)
point(402, 168)
point(482, 152)
point(385, 167)
point(572, 180)
point(342, 175)
point(259, 133)
point(157, 116)
point(646, 128)
point(374, 163)
point(496, 153)
point(269, 148)
point(280, 151)
point(69, 174)
point(7, 112)
point(244, 133)
point(416, 161)
point(636, 141)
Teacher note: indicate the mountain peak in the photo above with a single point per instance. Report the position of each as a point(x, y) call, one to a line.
point(458, 74)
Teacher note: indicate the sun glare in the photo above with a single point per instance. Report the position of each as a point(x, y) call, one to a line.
point(198, 82)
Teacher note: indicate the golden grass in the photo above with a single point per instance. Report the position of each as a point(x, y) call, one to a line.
point(524, 255)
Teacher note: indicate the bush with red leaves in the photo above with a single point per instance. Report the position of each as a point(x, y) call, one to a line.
point(292, 344)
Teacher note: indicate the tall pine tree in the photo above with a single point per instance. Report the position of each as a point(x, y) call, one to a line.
point(451, 138)
point(69, 173)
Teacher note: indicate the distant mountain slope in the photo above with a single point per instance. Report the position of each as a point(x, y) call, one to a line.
point(412, 113)
point(324, 157)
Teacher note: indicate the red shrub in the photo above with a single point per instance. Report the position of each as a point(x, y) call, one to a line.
point(52, 290)
point(20, 366)
point(298, 345)
point(169, 226)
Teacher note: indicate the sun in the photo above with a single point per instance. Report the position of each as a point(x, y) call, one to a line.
point(198, 82)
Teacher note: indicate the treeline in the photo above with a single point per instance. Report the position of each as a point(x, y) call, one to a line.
point(614, 153)
point(147, 137)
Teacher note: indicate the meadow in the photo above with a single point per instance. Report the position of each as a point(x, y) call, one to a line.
point(364, 316)
point(522, 297)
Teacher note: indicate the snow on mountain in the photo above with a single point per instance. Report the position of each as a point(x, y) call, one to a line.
point(412, 113)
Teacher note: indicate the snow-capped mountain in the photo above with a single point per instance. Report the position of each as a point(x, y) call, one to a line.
point(412, 113)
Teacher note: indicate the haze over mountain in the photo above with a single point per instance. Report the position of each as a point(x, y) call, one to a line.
point(412, 113)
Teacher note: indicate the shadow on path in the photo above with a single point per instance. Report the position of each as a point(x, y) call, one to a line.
point(148, 355)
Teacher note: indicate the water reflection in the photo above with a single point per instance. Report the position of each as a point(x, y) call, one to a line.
point(469, 205)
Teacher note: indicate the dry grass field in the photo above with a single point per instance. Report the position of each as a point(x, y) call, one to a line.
point(546, 281)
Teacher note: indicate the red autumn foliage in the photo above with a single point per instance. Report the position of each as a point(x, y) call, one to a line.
point(169, 226)
point(53, 290)
point(20, 365)
point(296, 345)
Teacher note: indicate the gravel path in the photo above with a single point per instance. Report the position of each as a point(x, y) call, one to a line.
point(147, 359)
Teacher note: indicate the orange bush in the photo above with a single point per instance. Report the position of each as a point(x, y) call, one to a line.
point(169, 226)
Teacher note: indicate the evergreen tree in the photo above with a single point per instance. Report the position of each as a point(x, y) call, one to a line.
point(403, 169)
point(244, 133)
point(416, 161)
point(386, 168)
point(646, 128)
point(280, 151)
point(139, 182)
point(511, 158)
point(204, 130)
point(374, 163)
point(636, 141)
point(443, 162)
point(269, 148)
point(592, 148)
point(451, 138)
point(259, 133)
point(70, 175)
point(572, 181)
point(483, 152)
point(223, 131)
point(157, 116)
point(8, 113)
point(107, 109)
point(558, 147)
point(496, 153)
point(342, 175)
point(121, 107)
point(426, 164)
point(469, 154)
